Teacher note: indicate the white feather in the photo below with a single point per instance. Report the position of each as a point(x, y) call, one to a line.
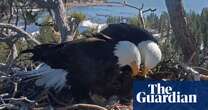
point(150, 53)
point(127, 52)
point(48, 77)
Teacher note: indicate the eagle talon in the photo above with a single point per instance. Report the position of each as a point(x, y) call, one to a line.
point(146, 71)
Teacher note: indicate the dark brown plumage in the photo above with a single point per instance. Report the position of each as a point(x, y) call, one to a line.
point(123, 31)
point(91, 66)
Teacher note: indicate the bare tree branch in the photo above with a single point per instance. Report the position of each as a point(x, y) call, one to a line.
point(126, 4)
point(85, 106)
point(20, 31)
point(13, 54)
point(147, 10)
point(140, 9)
point(10, 39)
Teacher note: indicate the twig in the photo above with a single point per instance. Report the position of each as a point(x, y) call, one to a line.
point(4, 94)
point(201, 70)
point(203, 77)
point(20, 99)
point(132, 6)
point(8, 106)
point(150, 9)
point(82, 106)
point(15, 89)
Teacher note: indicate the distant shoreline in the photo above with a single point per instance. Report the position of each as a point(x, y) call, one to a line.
point(82, 4)
point(86, 4)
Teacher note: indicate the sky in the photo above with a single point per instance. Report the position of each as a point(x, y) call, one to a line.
point(194, 5)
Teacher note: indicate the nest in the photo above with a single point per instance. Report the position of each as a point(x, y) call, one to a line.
point(18, 93)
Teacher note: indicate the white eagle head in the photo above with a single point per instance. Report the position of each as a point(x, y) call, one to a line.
point(128, 55)
point(150, 55)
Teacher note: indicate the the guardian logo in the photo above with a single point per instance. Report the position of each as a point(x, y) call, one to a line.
point(162, 94)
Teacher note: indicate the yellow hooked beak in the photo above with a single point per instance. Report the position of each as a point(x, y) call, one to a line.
point(135, 68)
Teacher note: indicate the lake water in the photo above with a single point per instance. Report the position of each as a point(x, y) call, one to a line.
point(91, 12)
point(194, 5)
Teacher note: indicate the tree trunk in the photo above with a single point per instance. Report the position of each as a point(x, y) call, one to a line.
point(61, 22)
point(182, 33)
point(57, 6)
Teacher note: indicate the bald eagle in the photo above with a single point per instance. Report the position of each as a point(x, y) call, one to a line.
point(88, 65)
point(148, 46)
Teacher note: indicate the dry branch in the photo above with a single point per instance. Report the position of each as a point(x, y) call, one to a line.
point(140, 9)
point(83, 106)
point(10, 39)
point(77, 107)
point(19, 31)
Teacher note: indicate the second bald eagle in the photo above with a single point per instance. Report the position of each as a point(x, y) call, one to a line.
point(148, 46)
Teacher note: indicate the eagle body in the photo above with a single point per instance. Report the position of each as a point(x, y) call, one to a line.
point(89, 65)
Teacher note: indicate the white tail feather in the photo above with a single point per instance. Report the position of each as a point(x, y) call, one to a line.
point(48, 77)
